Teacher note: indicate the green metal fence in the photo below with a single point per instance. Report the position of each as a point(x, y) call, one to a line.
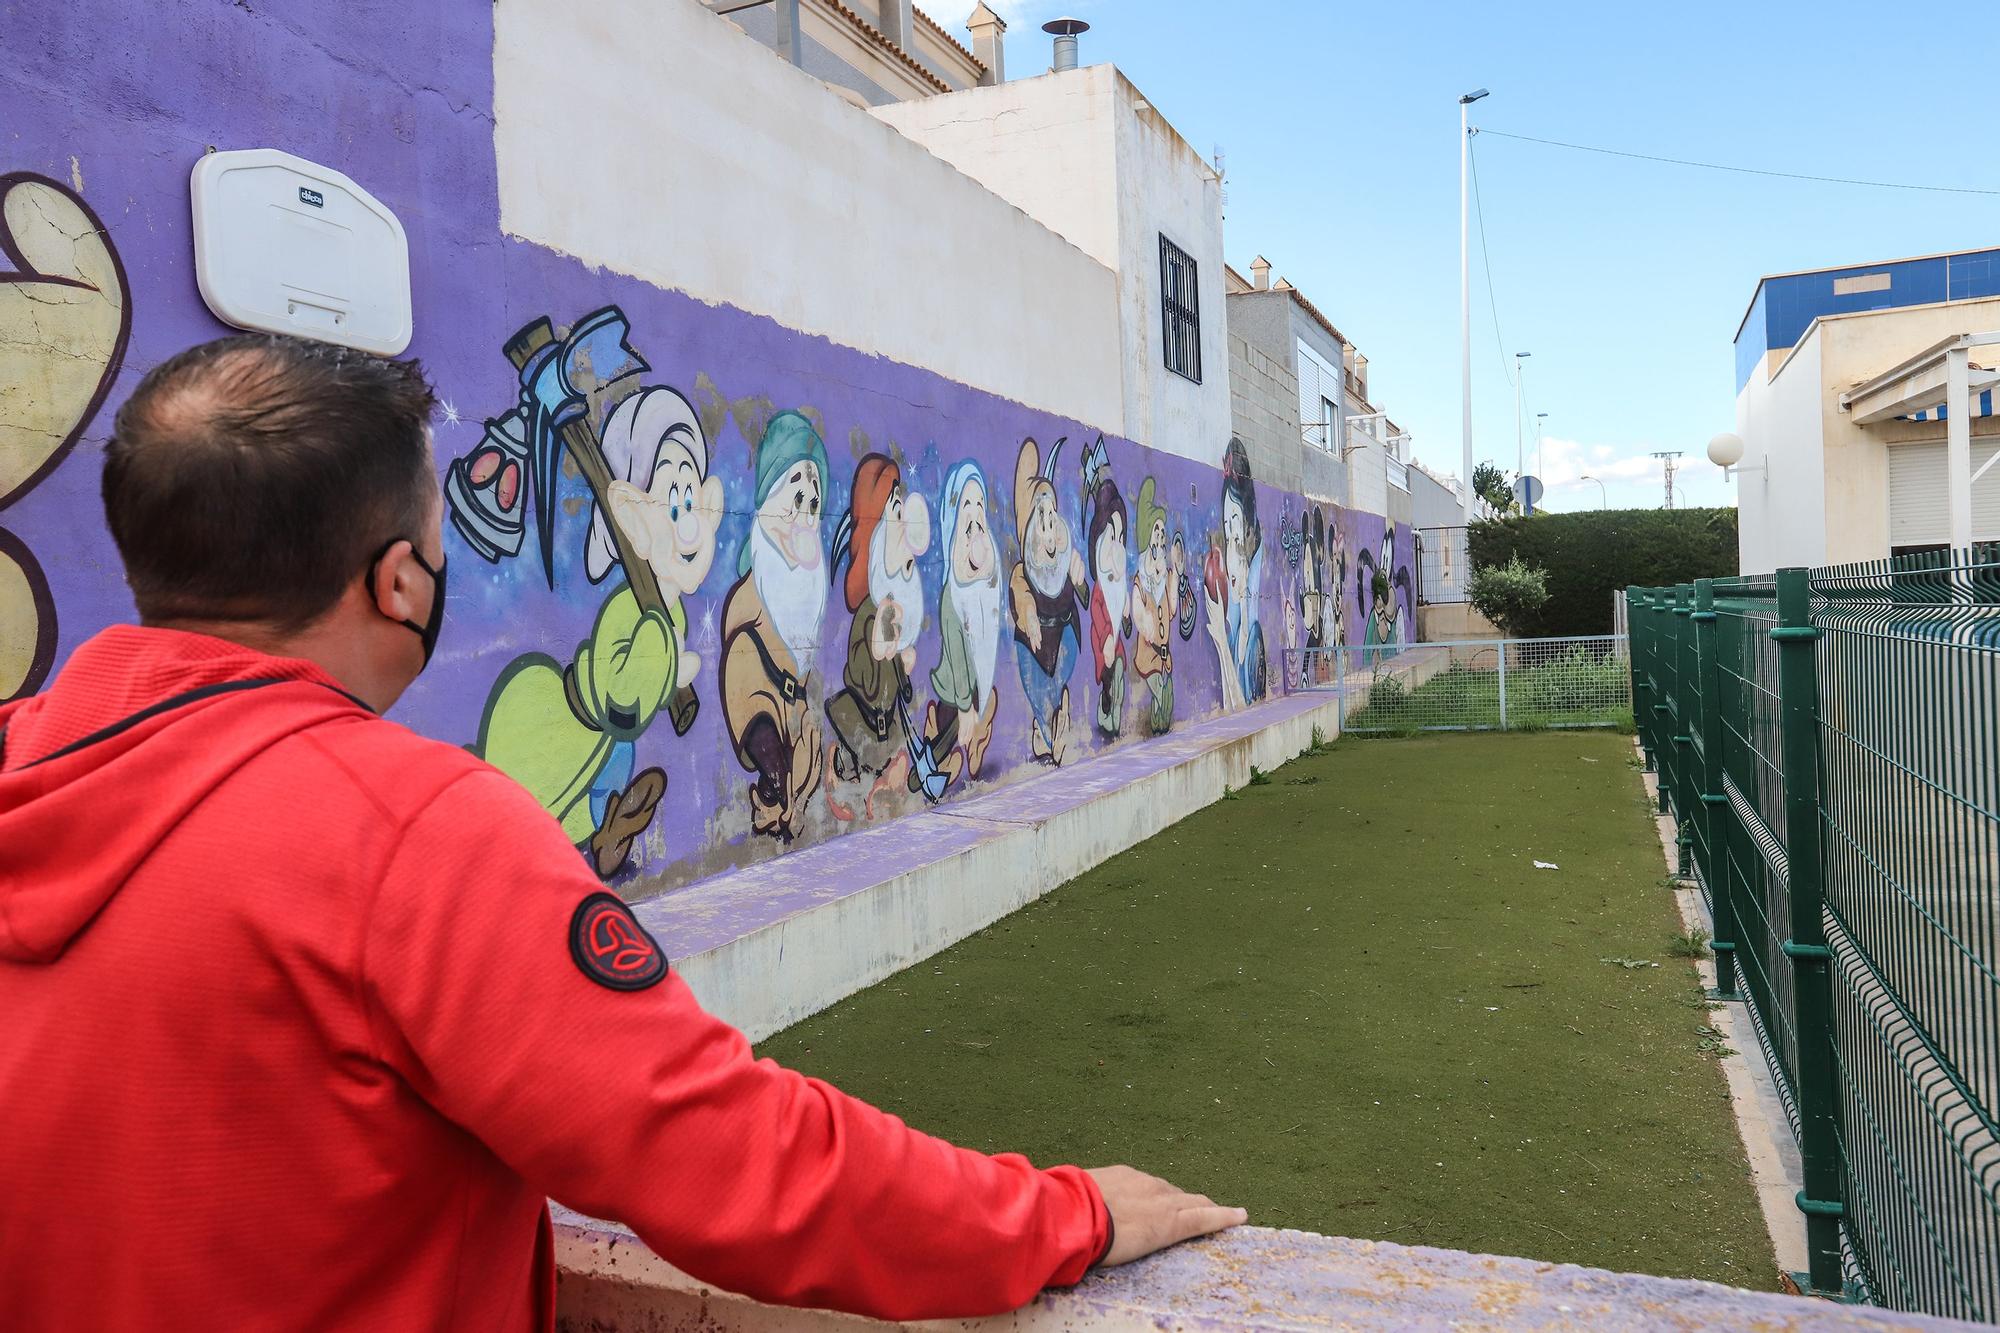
point(1828, 742)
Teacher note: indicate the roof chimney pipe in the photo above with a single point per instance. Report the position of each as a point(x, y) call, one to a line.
point(1065, 32)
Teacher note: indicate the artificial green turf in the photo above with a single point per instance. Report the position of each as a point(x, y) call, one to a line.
point(1348, 1001)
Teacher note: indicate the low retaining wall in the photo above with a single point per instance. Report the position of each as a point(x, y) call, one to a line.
point(768, 945)
point(1454, 620)
point(1250, 1279)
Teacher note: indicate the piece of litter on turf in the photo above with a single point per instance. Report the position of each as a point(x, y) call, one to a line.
point(1547, 865)
point(1492, 1008)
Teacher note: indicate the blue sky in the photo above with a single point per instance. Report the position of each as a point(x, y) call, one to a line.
point(1625, 280)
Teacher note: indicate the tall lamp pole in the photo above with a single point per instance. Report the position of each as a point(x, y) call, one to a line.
point(1465, 289)
point(1520, 373)
point(1540, 417)
point(1603, 499)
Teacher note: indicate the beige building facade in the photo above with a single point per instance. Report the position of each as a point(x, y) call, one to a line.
point(1820, 487)
point(1840, 391)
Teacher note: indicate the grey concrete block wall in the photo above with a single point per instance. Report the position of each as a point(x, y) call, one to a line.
point(1272, 323)
point(1323, 476)
point(1264, 413)
point(1264, 320)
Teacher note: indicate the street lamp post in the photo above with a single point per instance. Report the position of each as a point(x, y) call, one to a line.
point(1603, 499)
point(1465, 290)
point(1520, 373)
point(1540, 417)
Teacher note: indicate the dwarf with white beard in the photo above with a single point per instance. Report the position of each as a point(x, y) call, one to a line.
point(969, 621)
point(885, 530)
point(1045, 589)
point(770, 629)
point(1105, 527)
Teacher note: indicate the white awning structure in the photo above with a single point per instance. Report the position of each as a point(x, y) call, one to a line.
point(1982, 405)
point(1938, 384)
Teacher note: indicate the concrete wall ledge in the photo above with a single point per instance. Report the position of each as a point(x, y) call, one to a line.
point(770, 944)
point(1250, 1279)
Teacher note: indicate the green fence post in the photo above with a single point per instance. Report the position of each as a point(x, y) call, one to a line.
point(1812, 979)
point(1663, 676)
point(1721, 825)
point(1687, 783)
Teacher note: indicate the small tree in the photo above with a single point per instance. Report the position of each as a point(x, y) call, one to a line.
point(1489, 483)
point(1508, 595)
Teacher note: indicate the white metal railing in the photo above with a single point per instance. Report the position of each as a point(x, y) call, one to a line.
point(1474, 684)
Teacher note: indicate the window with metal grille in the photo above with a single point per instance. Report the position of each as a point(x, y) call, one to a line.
point(1180, 310)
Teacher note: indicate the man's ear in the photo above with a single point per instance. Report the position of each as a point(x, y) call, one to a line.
point(628, 510)
point(396, 585)
point(710, 508)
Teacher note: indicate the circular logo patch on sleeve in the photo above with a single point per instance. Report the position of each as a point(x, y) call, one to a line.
point(611, 947)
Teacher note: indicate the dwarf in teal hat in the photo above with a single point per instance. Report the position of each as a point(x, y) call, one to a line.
point(771, 628)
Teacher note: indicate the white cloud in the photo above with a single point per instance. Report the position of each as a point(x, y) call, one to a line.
point(1631, 477)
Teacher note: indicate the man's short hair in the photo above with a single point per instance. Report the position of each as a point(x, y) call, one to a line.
point(255, 477)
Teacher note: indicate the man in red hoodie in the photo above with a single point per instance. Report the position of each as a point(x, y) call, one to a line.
point(303, 1016)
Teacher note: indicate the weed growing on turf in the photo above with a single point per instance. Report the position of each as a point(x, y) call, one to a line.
point(1712, 1042)
point(1387, 695)
point(1629, 964)
point(1303, 780)
point(1258, 777)
point(1694, 944)
point(1232, 793)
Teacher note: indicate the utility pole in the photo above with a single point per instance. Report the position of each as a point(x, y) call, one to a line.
point(1465, 288)
point(1520, 461)
point(1540, 417)
point(1520, 374)
point(1668, 462)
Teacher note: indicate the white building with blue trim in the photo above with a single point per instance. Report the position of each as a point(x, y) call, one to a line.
point(1844, 378)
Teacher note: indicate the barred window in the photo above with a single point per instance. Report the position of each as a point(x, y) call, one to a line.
point(1180, 310)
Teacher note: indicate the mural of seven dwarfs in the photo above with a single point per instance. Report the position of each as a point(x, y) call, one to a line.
point(1056, 569)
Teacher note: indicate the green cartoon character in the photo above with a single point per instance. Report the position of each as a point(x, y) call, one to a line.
point(568, 734)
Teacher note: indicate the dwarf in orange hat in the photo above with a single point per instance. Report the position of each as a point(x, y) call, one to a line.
point(885, 530)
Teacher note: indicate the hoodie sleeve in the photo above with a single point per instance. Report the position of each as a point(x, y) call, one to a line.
point(527, 1005)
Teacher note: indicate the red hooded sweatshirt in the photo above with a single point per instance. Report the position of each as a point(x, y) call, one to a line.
point(302, 1016)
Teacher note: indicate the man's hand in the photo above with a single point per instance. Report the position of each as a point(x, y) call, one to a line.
point(1148, 1214)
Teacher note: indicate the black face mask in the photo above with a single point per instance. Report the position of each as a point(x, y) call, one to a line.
point(434, 622)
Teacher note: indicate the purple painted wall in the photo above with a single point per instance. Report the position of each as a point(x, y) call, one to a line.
point(556, 663)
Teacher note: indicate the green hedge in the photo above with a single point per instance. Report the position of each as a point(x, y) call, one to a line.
point(1589, 554)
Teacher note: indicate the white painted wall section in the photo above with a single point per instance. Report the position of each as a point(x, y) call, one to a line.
point(1166, 188)
point(1047, 145)
point(742, 181)
point(1087, 155)
point(1781, 511)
